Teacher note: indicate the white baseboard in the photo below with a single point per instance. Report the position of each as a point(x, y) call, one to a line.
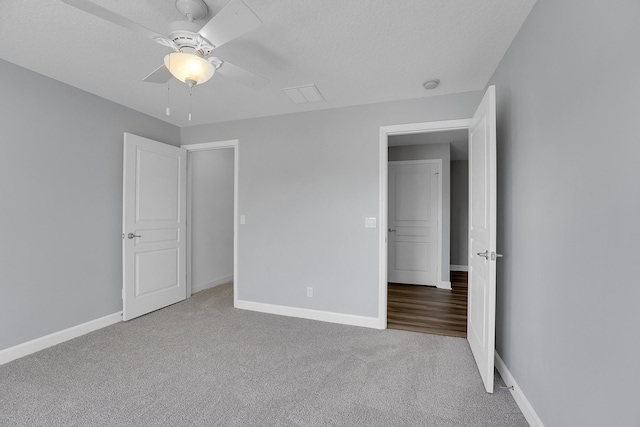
point(30, 347)
point(212, 284)
point(458, 268)
point(444, 285)
point(306, 313)
point(521, 400)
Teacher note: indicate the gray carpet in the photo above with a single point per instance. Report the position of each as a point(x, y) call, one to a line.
point(203, 363)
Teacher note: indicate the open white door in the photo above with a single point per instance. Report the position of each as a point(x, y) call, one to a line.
point(482, 237)
point(154, 225)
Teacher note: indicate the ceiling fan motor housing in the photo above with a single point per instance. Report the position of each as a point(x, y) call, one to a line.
point(185, 35)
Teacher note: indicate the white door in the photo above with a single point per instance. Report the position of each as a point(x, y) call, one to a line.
point(414, 206)
point(482, 237)
point(154, 225)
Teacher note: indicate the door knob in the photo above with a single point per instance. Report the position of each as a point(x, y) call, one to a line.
point(392, 230)
point(495, 255)
point(484, 254)
point(131, 235)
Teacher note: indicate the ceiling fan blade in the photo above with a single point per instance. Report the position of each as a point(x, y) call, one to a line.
point(159, 75)
point(233, 21)
point(110, 16)
point(243, 76)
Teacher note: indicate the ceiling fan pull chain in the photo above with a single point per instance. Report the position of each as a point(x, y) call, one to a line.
point(168, 90)
point(168, 83)
point(190, 94)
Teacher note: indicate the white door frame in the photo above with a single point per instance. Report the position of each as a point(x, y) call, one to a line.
point(440, 283)
point(233, 143)
point(385, 132)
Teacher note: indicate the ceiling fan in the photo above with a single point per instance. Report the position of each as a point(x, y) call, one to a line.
point(193, 44)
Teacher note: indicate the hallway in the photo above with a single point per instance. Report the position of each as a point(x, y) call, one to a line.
point(428, 309)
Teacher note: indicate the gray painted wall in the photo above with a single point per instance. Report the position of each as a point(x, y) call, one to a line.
point(568, 97)
point(307, 181)
point(61, 186)
point(433, 151)
point(211, 217)
point(569, 201)
point(459, 212)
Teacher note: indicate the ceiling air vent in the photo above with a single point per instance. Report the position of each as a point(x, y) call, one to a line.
point(303, 94)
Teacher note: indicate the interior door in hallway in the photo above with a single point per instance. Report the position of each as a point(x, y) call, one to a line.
point(482, 237)
point(414, 208)
point(154, 225)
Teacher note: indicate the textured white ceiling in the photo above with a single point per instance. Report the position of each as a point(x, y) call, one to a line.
point(355, 51)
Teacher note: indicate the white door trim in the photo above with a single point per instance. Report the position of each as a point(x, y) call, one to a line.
point(440, 283)
point(235, 144)
point(385, 132)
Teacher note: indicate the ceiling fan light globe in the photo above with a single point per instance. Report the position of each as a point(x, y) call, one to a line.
point(188, 67)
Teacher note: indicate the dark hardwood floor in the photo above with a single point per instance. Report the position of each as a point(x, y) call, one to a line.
point(428, 309)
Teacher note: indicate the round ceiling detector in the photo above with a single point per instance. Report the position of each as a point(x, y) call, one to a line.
point(431, 84)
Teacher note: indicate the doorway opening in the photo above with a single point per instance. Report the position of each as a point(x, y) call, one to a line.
point(212, 206)
point(445, 140)
point(482, 249)
point(428, 232)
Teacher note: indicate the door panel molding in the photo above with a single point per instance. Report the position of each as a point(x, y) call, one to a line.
point(482, 237)
point(415, 229)
point(154, 200)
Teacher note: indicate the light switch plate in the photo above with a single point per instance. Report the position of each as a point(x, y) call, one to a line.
point(370, 222)
point(243, 219)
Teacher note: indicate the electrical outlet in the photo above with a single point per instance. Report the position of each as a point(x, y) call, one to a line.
point(309, 292)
